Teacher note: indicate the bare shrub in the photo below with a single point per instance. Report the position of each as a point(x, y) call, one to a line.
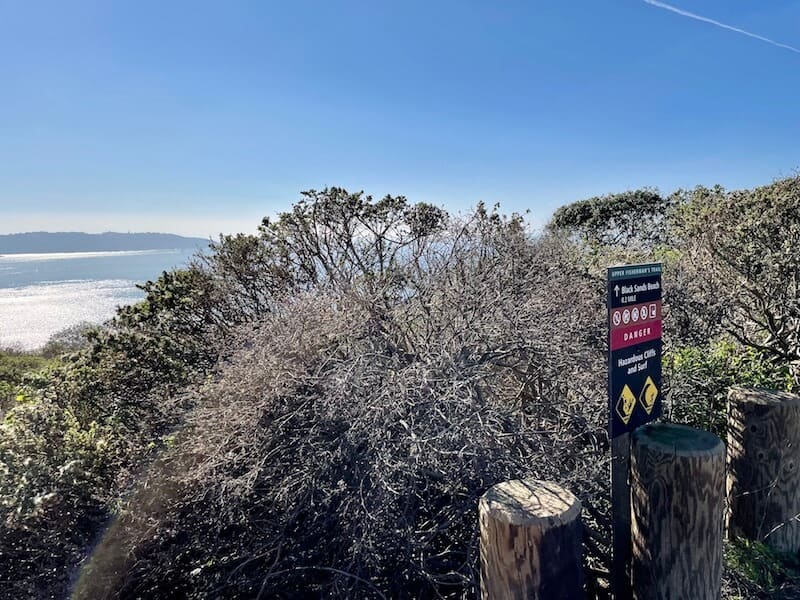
point(351, 431)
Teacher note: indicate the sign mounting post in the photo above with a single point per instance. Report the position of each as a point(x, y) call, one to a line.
point(634, 391)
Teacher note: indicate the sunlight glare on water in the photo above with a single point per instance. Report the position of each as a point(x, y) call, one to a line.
point(41, 294)
point(31, 314)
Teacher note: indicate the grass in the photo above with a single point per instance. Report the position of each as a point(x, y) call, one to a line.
point(757, 571)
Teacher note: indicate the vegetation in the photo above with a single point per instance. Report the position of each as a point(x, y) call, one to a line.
point(315, 410)
point(635, 220)
point(755, 570)
point(699, 377)
point(742, 249)
point(18, 370)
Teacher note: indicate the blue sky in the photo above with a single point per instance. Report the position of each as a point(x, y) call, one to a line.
point(200, 117)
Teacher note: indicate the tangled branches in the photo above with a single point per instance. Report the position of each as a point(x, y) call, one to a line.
point(351, 431)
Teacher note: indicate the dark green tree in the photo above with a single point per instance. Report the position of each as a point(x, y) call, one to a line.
point(635, 220)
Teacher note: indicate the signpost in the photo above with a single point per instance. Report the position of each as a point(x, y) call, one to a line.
point(634, 391)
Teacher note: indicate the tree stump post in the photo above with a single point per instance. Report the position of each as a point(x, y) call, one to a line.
point(763, 482)
point(531, 542)
point(677, 489)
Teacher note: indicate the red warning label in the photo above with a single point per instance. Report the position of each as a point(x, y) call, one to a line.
point(635, 324)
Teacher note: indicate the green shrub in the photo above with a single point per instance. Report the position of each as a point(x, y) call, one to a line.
point(699, 378)
point(741, 257)
point(70, 339)
point(759, 571)
point(19, 370)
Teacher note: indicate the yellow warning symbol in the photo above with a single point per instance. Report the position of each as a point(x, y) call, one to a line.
point(626, 404)
point(648, 395)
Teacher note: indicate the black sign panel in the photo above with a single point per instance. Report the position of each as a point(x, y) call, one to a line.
point(634, 346)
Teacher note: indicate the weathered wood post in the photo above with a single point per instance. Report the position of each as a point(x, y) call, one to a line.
point(677, 490)
point(764, 467)
point(531, 542)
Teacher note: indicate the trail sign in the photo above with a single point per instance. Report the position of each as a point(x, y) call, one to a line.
point(634, 392)
point(634, 346)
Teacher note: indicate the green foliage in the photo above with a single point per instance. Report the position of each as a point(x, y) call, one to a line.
point(19, 374)
point(69, 339)
point(69, 452)
point(15, 366)
point(742, 260)
point(161, 340)
point(764, 571)
point(635, 220)
point(699, 378)
point(79, 465)
point(247, 273)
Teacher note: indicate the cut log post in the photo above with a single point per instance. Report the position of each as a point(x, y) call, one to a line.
point(763, 482)
point(677, 490)
point(531, 542)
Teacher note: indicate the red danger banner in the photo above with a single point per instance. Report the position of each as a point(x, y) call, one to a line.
point(630, 336)
point(635, 324)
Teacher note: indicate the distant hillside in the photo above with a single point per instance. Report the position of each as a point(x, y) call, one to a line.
point(41, 241)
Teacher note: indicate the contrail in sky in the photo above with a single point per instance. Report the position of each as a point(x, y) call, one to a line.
point(686, 13)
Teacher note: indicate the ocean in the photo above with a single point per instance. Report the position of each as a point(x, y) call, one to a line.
point(41, 294)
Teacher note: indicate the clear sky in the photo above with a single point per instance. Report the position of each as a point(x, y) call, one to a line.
point(199, 117)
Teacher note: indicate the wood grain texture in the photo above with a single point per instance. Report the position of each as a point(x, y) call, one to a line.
point(677, 490)
point(531, 542)
point(763, 482)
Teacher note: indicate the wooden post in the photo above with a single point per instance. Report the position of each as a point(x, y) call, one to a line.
point(621, 515)
point(531, 542)
point(764, 467)
point(677, 488)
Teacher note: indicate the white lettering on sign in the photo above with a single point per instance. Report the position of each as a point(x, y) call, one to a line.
point(637, 367)
point(636, 362)
point(624, 362)
point(630, 291)
point(636, 334)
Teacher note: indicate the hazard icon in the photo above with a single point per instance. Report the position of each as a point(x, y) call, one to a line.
point(648, 395)
point(626, 404)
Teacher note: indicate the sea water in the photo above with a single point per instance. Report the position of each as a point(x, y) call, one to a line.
point(41, 294)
